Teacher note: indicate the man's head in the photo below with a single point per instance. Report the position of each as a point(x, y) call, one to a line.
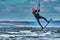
point(33, 10)
point(37, 10)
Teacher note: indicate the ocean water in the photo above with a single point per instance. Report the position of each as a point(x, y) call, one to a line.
point(11, 32)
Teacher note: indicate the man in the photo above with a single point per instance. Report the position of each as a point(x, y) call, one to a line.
point(37, 16)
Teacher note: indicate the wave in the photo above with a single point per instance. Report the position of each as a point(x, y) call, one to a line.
point(24, 34)
point(28, 24)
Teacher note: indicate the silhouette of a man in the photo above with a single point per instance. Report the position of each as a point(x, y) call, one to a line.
point(37, 16)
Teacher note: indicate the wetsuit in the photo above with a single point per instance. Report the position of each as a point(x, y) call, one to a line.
point(37, 16)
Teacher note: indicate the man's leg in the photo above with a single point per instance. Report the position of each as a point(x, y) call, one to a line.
point(44, 19)
point(39, 23)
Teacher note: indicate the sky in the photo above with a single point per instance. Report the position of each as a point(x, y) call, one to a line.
point(20, 10)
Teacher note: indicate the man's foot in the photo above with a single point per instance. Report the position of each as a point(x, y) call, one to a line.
point(49, 20)
point(41, 29)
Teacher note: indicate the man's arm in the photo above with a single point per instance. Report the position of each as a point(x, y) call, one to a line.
point(34, 11)
point(38, 10)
